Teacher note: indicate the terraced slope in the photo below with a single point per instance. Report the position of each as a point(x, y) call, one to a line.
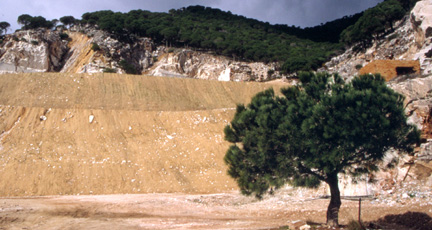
point(106, 134)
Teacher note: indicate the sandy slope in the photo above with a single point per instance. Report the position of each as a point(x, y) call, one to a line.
point(108, 134)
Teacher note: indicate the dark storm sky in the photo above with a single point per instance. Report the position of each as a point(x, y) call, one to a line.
point(301, 13)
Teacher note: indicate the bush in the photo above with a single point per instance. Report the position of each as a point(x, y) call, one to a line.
point(128, 67)
point(34, 42)
point(358, 66)
point(64, 36)
point(95, 47)
point(110, 70)
point(270, 72)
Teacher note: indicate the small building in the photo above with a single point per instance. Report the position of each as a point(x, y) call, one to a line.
point(390, 69)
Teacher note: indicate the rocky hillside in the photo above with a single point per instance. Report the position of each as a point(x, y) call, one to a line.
point(32, 51)
point(95, 51)
point(411, 40)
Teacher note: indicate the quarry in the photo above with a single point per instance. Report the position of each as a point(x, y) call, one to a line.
point(83, 148)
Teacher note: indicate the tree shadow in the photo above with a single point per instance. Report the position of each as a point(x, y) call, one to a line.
point(406, 221)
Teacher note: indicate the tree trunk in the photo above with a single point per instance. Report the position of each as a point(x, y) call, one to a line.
point(335, 201)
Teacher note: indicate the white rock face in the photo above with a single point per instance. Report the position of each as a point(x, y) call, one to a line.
point(421, 16)
point(411, 40)
point(190, 64)
point(225, 75)
point(32, 51)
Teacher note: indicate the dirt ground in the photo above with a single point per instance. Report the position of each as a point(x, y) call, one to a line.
point(157, 145)
point(210, 211)
point(69, 134)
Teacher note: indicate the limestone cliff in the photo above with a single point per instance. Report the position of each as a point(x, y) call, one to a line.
point(191, 64)
point(32, 51)
point(95, 51)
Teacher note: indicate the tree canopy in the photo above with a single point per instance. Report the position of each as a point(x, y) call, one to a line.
point(67, 20)
point(319, 129)
point(29, 22)
point(376, 21)
point(3, 27)
point(222, 32)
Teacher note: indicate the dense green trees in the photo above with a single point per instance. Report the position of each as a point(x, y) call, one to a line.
point(376, 21)
point(242, 38)
point(30, 22)
point(4, 27)
point(320, 129)
point(67, 20)
point(212, 29)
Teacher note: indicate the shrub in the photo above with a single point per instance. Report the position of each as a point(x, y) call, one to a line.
point(64, 36)
point(110, 70)
point(128, 67)
point(358, 66)
point(270, 72)
point(15, 38)
point(95, 47)
point(34, 42)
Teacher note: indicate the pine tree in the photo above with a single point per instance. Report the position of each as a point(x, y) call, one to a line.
point(319, 129)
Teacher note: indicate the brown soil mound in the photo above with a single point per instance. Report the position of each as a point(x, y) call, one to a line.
point(106, 134)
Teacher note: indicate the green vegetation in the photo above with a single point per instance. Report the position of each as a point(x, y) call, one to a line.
point(4, 26)
point(128, 67)
point(64, 36)
point(317, 130)
point(376, 22)
point(109, 70)
point(235, 36)
point(68, 20)
point(29, 22)
point(95, 47)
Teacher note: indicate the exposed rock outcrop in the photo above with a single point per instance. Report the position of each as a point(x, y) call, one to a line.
point(95, 51)
point(191, 64)
point(411, 40)
point(32, 51)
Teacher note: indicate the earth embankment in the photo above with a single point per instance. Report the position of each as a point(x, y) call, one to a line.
point(108, 134)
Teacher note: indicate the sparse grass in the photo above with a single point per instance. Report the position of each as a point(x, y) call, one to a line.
point(109, 70)
point(354, 225)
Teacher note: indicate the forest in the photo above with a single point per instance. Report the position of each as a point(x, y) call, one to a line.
point(241, 38)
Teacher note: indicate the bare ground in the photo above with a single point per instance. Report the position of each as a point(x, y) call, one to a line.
point(210, 211)
point(63, 134)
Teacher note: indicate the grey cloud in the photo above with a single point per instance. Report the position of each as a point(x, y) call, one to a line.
point(292, 12)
